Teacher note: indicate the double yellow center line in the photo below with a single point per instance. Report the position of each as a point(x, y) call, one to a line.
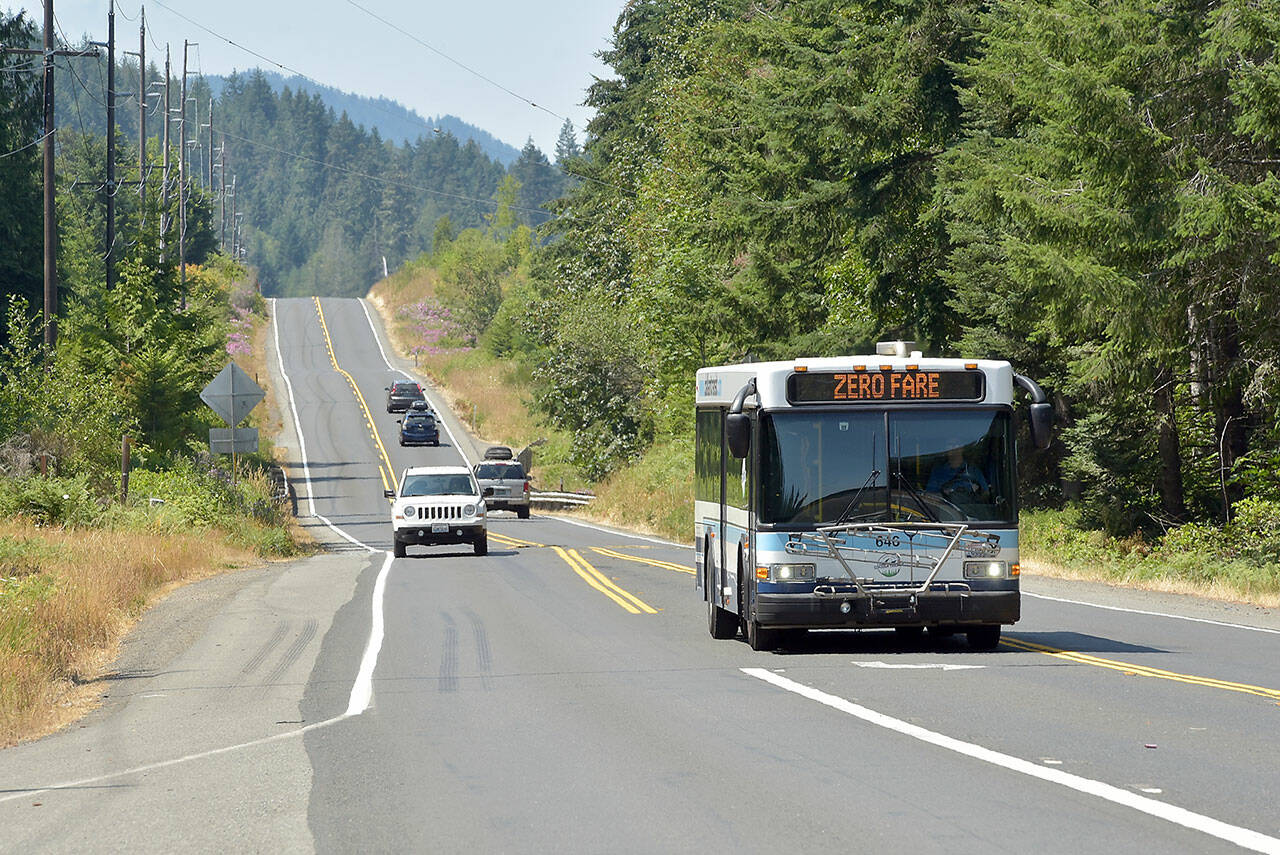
point(1141, 670)
point(587, 572)
point(385, 469)
point(603, 584)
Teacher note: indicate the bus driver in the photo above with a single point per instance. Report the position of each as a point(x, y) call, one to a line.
point(956, 478)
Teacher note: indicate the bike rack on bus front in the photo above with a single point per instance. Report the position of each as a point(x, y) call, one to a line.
point(834, 542)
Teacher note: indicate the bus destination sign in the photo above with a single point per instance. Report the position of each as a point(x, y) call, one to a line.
point(882, 386)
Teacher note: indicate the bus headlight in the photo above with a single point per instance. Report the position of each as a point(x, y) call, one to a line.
point(792, 572)
point(986, 569)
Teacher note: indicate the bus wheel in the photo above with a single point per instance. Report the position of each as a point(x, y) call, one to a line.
point(720, 622)
point(986, 637)
point(760, 638)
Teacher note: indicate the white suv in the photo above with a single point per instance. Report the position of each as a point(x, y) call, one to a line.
point(438, 504)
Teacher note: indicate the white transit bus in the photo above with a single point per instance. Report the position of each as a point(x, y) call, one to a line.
point(860, 491)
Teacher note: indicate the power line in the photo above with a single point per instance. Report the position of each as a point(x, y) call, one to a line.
point(406, 115)
point(217, 35)
point(461, 65)
point(31, 144)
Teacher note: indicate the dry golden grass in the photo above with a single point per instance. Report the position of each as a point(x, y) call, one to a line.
point(68, 603)
point(267, 417)
point(75, 593)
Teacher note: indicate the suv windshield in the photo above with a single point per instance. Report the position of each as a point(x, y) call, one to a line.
point(419, 419)
point(404, 388)
point(912, 466)
point(499, 471)
point(437, 485)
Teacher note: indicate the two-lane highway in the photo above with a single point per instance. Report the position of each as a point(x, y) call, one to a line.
point(562, 693)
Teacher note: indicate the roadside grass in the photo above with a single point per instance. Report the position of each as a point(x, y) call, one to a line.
point(67, 595)
point(492, 396)
point(654, 495)
point(1237, 561)
point(77, 570)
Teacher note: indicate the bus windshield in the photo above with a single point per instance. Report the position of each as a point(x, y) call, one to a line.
point(896, 466)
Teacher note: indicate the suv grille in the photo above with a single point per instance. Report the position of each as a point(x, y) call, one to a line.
point(435, 512)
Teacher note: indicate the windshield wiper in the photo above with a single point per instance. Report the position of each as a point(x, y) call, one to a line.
point(903, 483)
point(875, 473)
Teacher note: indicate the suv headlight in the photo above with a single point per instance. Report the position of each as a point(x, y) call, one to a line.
point(469, 510)
point(792, 572)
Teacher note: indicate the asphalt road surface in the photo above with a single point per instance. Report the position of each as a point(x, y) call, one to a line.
point(562, 694)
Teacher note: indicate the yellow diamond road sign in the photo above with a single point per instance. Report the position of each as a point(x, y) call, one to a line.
point(232, 394)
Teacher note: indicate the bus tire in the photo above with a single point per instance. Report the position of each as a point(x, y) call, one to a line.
point(760, 638)
point(721, 623)
point(985, 637)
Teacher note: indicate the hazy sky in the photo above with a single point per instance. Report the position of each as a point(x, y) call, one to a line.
point(543, 51)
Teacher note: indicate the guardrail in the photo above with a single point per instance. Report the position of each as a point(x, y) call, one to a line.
point(553, 498)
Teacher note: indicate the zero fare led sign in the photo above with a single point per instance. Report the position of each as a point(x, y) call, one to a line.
point(877, 386)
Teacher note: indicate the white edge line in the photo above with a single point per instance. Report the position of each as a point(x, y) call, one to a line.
point(1243, 837)
point(1153, 614)
point(377, 340)
point(362, 689)
point(293, 408)
point(151, 767)
point(372, 328)
point(619, 532)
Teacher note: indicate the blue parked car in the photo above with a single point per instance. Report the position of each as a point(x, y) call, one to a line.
point(418, 427)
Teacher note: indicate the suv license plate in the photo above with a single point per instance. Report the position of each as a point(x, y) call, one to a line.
point(437, 528)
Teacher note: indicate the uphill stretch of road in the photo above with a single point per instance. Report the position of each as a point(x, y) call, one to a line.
point(562, 694)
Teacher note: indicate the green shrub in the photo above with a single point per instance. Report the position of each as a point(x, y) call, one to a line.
point(50, 501)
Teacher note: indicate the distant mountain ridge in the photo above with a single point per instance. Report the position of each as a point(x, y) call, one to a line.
point(393, 120)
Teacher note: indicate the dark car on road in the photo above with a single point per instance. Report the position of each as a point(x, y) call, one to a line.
point(509, 483)
point(401, 394)
point(419, 427)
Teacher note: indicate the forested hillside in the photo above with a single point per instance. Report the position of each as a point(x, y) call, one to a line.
point(322, 199)
point(1087, 190)
point(390, 119)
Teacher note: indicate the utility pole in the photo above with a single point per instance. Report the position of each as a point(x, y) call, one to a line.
point(141, 54)
point(50, 189)
point(142, 119)
point(222, 184)
point(182, 180)
point(233, 218)
point(111, 146)
point(164, 175)
point(210, 184)
point(50, 209)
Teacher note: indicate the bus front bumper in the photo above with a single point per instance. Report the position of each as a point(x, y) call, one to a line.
point(852, 610)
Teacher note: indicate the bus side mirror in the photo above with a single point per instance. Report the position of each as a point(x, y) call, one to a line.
point(737, 431)
point(1041, 425)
